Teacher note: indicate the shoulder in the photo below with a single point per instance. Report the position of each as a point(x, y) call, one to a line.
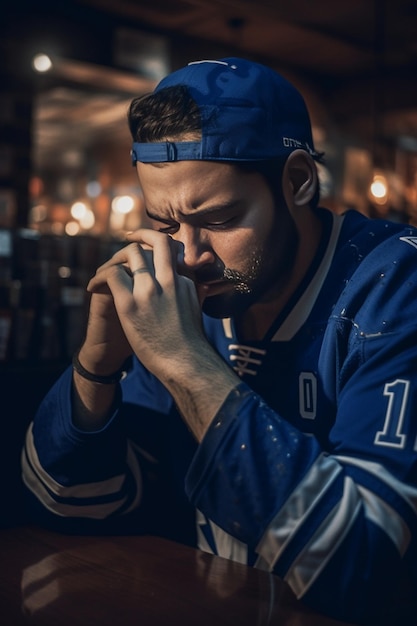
point(380, 263)
point(372, 233)
point(373, 244)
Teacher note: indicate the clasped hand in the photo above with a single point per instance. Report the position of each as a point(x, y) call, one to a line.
point(141, 304)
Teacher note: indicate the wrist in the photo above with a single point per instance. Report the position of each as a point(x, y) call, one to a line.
point(93, 404)
point(102, 375)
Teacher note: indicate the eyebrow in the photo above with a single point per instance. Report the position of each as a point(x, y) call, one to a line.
point(227, 206)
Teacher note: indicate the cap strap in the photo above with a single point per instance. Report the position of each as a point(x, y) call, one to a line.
point(166, 151)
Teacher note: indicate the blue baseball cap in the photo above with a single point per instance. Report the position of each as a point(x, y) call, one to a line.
point(249, 112)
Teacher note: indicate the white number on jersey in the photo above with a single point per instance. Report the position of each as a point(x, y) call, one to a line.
point(307, 393)
point(392, 434)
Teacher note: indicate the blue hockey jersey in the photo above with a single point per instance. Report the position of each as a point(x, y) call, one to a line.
point(309, 469)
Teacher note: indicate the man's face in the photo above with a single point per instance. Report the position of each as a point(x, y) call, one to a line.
point(238, 246)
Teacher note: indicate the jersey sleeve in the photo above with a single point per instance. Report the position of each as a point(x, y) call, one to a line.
point(338, 522)
point(92, 481)
point(337, 529)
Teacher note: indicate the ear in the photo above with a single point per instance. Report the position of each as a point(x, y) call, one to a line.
point(300, 178)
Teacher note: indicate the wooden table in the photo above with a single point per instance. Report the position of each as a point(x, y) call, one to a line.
point(48, 579)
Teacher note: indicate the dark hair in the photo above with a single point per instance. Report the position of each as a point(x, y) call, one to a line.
point(172, 113)
point(167, 114)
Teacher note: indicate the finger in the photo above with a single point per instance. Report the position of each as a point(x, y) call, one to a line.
point(141, 270)
point(164, 251)
point(137, 235)
point(130, 258)
point(116, 280)
point(131, 255)
point(100, 281)
point(124, 267)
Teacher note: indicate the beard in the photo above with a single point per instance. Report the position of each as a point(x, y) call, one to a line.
point(267, 270)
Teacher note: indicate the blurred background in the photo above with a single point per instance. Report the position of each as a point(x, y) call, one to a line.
point(68, 70)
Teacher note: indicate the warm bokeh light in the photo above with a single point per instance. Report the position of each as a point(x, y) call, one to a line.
point(41, 62)
point(78, 210)
point(72, 228)
point(38, 213)
point(64, 271)
point(122, 204)
point(88, 220)
point(379, 189)
point(35, 186)
point(83, 214)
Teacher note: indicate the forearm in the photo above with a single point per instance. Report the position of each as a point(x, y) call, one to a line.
point(92, 400)
point(69, 470)
point(199, 387)
point(92, 403)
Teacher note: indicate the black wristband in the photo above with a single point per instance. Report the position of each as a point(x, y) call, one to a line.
point(111, 379)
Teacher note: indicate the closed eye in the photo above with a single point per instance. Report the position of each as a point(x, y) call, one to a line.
point(221, 224)
point(212, 225)
point(169, 230)
point(203, 219)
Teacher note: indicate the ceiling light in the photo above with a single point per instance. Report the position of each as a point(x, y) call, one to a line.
point(41, 63)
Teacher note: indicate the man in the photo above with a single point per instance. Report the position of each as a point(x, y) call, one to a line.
point(270, 401)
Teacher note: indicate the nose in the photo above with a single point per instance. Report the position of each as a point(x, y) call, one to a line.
point(196, 249)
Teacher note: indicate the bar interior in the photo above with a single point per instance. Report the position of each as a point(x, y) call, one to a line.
point(68, 194)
